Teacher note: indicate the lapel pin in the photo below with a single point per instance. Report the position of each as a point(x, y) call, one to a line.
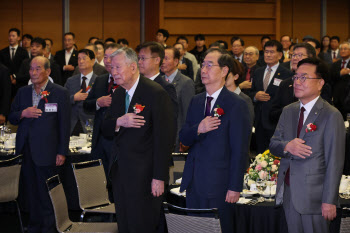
point(278, 74)
point(315, 113)
point(290, 85)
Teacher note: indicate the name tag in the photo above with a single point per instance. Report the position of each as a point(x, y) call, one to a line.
point(277, 81)
point(50, 107)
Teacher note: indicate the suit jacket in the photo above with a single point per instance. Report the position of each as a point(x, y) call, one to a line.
point(189, 70)
point(328, 57)
point(47, 135)
point(23, 75)
point(97, 69)
point(199, 86)
point(216, 160)
point(60, 59)
point(262, 109)
point(73, 85)
point(250, 105)
point(252, 70)
point(5, 90)
point(286, 65)
point(142, 154)
point(185, 91)
point(15, 64)
point(314, 180)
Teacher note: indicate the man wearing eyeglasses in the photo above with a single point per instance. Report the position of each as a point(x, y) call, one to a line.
point(265, 83)
point(218, 141)
point(310, 139)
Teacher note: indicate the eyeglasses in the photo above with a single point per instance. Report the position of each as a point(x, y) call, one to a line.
point(208, 65)
point(249, 54)
point(298, 55)
point(301, 78)
point(144, 58)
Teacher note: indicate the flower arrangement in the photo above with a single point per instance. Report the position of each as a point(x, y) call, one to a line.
point(265, 166)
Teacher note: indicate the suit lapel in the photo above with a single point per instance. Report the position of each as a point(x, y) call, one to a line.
point(176, 78)
point(220, 100)
point(314, 113)
point(295, 118)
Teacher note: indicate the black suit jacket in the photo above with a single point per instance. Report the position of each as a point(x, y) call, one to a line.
point(189, 70)
point(142, 153)
point(47, 135)
point(5, 90)
point(99, 89)
point(262, 109)
point(60, 59)
point(15, 64)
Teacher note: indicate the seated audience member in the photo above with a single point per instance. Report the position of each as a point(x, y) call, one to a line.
point(250, 58)
point(5, 93)
point(67, 59)
point(184, 86)
point(199, 50)
point(26, 43)
point(286, 43)
point(184, 41)
point(92, 40)
point(340, 78)
point(263, 40)
point(100, 52)
point(237, 48)
point(78, 87)
point(333, 54)
point(109, 40)
point(265, 83)
point(162, 36)
point(97, 68)
point(185, 65)
point(123, 42)
point(37, 49)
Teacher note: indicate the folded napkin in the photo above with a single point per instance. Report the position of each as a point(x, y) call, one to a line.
point(178, 181)
point(346, 124)
point(176, 191)
point(243, 200)
point(85, 150)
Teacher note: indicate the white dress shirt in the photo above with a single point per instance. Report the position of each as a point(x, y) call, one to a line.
point(308, 107)
point(274, 68)
point(15, 47)
point(68, 55)
point(154, 77)
point(215, 96)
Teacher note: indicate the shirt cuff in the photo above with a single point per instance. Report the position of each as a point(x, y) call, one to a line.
point(97, 106)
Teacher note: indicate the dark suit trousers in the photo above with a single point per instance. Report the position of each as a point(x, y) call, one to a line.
point(262, 137)
point(135, 213)
point(196, 201)
point(302, 223)
point(41, 214)
point(102, 151)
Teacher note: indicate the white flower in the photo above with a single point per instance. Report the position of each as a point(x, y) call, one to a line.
point(264, 163)
point(262, 174)
point(273, 168)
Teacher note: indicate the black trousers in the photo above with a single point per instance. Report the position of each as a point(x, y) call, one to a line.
point(262, 137)
point(135, 213)
point(41, 214)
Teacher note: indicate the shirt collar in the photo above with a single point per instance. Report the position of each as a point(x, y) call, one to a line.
point(309, 105)
point(237, 91)
point(88, 76)
point(154, 77)
point(16, 47)
point(133, 88)
point(216, 94)
point(172, 76)
point(346, 61)
point(273, 67)
point(69, 52)
point(42, 88)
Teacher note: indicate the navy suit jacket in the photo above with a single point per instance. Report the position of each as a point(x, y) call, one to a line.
point(15, 64)
point(60, 59)
point(216, 159)
point(47, 135)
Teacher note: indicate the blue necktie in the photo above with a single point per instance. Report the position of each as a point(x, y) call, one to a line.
point(127, 102)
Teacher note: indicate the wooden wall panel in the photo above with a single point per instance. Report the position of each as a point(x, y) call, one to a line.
point(10, 17)
point(86, 20)
point(122, 20)
point(338, 19)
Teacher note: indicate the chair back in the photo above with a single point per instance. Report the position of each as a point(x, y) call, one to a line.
point(91, 183)
point(183, 223)
point(9, 178)
point(59, 203)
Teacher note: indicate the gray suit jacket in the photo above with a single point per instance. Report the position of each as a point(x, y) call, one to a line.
point(185, 91)
point(328, 57)
point(97, 68)
point(315, 179)
point(73, 85)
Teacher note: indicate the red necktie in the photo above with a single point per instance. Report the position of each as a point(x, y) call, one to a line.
point(300, 126)
point(343, 64)
point(247, 77)
point(334, 57)
point(110, 85)
point(83, 84)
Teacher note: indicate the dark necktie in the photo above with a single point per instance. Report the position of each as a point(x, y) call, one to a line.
point(343, 64)
point(300, 125)
point(83, 84)
point(208, 106)
point(110, 85)
point(334, 57)
point(12, 53)
point(247, 77)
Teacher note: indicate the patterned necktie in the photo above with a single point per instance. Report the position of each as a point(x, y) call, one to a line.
point(343, 64)
point(12, 53)
point(127, 102)
point(208, 106)
point(267, 79)
point(83, 84)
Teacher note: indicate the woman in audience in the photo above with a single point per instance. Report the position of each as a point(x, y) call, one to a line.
point(325, 46)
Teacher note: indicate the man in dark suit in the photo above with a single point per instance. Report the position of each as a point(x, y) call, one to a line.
point(263, 40)
point(42, 138)
point(310, 138)
point(250, 58)
point(237, 49)
point(185, 65)
point(218, 143)
point(97, 102)
point(265, 83)
point(37, 49)
point(332, 55)
point(67, 59)
point(12, 56)
point(340, 76)
point(184, 86)
point(78, 86)
point(5, 93)
point(141, 118)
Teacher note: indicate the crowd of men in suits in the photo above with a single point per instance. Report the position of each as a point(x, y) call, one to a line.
point(179, 92)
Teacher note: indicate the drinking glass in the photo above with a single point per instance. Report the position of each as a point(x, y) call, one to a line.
point(270, 183)
point(261, 186)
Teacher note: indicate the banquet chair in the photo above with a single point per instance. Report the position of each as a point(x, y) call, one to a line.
point(63, 223)
point(179, 222)
point(92, 188)
point(175, 172)
point(9, 179)
point(345, 221)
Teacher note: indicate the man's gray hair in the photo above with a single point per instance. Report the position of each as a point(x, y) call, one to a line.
point(255, 49)
point(129, 54)
point(345, 42)
point(47, 64)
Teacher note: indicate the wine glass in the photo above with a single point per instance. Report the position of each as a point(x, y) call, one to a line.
point(261, 186)
point(270, 183)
